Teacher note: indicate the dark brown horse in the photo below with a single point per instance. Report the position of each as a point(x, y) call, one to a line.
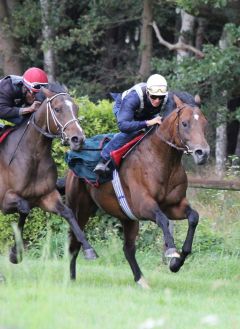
point(28, 173)
point(154, 183)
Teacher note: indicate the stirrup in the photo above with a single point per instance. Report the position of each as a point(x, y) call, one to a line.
point(102, 168)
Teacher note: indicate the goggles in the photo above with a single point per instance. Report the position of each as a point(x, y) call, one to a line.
point(157, 90)
point(157, 97)
point(35, 86)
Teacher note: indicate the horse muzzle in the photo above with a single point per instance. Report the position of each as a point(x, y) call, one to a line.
point(75, 142)
point(201, 154)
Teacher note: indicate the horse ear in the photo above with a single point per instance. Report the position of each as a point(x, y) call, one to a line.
point(47, 92)
point(177, 101)
point(197, 99)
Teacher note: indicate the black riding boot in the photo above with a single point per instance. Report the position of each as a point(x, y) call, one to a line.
point(102, 167)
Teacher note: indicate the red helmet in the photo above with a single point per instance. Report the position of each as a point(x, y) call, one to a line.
point(35, 78)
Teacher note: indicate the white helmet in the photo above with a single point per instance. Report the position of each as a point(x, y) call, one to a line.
point(157, 85)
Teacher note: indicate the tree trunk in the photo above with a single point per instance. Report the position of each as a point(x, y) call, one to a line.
point(186, 34)
point(146, 40)
point(221, 142)
point(221, 130)
point(9, 59)
point(48, 53)
point(200, 33)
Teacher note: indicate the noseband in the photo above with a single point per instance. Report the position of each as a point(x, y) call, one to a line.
point(59, 126)
point(185, 149)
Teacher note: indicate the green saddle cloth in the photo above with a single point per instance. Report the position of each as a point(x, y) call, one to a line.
point(84, 161)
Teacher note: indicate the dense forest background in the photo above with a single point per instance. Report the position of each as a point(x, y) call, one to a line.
point(95, 47)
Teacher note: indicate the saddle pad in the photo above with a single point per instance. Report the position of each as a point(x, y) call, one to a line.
point(84, 161)
point(4, 132)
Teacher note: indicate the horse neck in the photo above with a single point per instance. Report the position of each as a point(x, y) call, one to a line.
point(155, 150)
point(36, 140)
point(40, 116)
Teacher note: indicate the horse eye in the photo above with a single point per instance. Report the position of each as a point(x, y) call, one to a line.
point(184, 123)
point(56, 109)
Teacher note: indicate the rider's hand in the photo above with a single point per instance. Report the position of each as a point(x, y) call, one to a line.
point(30, 109)
point(156, 120)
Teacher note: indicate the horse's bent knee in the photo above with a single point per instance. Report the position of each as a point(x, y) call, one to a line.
point(193, 217)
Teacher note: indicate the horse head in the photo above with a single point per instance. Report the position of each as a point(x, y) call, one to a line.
point(187, 132)
point(59, 118)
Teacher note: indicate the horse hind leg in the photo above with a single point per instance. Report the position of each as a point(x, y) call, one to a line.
point(193, 218)
point(53, 203)
point(130, 229)
point(74, 248)
point(16, 252)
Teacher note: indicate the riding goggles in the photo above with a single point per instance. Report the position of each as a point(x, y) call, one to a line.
point(35, 87)
point(157, 97)
point(157, 90)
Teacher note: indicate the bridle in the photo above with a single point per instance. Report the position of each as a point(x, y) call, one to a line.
point(50, 114)
point(185, 149)
point(48, 134)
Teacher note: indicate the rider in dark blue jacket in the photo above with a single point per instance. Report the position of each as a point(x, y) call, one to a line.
point(18, 94)
point(135, 109)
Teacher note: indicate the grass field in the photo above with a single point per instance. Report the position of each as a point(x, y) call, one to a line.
point(38, 294)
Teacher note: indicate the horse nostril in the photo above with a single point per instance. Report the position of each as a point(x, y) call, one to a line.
point(75, 140)
point(199, 152)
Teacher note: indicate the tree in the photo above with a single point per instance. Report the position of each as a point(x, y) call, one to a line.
point(146, 40)
point(11, 61)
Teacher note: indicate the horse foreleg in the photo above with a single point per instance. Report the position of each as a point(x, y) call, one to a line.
point(163, 222)
point(53, 203)
point(15, 255)
point(193, 217)
point(130, 230)
point(150, 209)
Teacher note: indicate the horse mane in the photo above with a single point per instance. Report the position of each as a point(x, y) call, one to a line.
point(184, 96)
point(55, 87)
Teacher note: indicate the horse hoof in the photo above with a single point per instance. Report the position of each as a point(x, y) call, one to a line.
point(175, 264)
point(172, 253)
point(90, 254)
point(143, 283)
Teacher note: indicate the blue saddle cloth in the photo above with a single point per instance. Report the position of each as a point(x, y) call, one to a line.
point(84, 161)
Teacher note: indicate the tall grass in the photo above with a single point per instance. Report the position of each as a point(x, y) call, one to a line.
point(38, 293)
point(205, 293)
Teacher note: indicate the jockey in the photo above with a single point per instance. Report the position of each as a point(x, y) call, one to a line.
point(135, 109)
point(18, 94)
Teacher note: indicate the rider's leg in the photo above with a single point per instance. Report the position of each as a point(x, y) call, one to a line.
point(115, 143)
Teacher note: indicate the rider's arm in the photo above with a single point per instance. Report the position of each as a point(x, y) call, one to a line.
point(7, 95)
point(32, 108)
point(125, 117)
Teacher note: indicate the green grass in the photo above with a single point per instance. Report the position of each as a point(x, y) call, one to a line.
point(38, 293)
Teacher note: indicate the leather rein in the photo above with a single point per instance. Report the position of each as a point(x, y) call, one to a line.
point(185, 149)
point(51, 114)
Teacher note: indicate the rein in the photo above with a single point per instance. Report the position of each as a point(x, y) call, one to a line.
point(185, 149)
point(57, 123)
point(48, 133)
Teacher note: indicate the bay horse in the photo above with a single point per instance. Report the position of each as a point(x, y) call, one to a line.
point(154, 182)
point(28, 172)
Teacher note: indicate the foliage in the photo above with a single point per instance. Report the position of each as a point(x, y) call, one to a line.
point(193, 5)
point(208, 75)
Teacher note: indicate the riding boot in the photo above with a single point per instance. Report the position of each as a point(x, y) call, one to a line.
point(102, 168)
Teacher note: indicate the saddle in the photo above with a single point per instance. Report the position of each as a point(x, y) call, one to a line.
point(5, 130)
point(84, 161)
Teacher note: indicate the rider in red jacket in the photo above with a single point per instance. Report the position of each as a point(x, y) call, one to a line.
point(18, 94)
